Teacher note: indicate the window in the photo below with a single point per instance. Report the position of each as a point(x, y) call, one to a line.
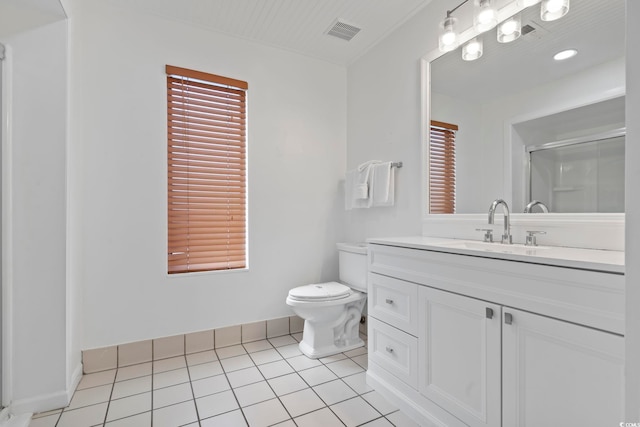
point(442, 168)
point(206, 142)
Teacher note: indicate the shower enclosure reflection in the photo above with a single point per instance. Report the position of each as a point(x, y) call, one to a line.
point(579, 175)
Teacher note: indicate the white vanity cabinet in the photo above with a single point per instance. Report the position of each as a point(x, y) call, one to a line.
point(458, 340)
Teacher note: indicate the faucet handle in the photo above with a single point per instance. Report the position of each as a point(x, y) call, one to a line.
point(507, 238)
point(488, 234)
point(530, 239)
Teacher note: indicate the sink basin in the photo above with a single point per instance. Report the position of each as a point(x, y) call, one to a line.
point(515, 249)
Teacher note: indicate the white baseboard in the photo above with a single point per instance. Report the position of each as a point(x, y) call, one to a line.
point(76, 376)
point(408, 400)
point(48, 402)
point(9, 420)
point(43, 403)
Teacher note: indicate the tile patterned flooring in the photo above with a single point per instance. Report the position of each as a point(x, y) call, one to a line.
point(261, 383)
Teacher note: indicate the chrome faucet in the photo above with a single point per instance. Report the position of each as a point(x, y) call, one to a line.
point(531, 204)
point(506, 236)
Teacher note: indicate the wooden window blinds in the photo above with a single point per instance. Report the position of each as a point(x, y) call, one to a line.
point(206, 142)
point(442, 168)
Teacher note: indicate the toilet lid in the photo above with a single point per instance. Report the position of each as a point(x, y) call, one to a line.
point(320, 291)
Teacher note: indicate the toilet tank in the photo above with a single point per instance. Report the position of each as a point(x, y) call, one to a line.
point(352, 261)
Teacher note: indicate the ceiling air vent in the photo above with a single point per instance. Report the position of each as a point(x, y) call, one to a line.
point(526, 29)
point(342, 30)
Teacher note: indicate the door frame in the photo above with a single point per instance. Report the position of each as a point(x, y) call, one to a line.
point(6, 241)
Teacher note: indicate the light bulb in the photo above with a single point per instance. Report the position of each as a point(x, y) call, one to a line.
point(472, 50)
point(448, 39)
point(485, 15)
point(510, 29)
point(553, 6)
point(473, 47)
point(553, 9)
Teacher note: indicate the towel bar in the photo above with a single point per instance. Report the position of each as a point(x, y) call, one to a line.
point(396, 164)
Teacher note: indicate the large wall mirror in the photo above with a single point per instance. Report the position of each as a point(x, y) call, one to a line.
point(530, 127)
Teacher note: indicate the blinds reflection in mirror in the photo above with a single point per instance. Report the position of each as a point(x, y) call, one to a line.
point(442, 167)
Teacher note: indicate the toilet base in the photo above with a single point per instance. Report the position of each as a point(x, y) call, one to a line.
point(335, 333)
point(330, 350)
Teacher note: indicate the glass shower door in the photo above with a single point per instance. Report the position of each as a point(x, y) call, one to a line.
point(579, 177)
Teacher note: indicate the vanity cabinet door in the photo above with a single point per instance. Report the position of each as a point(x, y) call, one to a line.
point(459, 355)
point(560, 374)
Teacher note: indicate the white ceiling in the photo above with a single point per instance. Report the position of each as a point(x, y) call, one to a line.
point(20, 15)
point(301, 25)
point(295, 25)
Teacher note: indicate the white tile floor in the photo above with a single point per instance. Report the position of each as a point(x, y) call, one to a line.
point(262, 383)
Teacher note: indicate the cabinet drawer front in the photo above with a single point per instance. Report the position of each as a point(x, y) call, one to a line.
point(394, 350)
point(394, 301)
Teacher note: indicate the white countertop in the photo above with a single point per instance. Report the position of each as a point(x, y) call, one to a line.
point(585, 259)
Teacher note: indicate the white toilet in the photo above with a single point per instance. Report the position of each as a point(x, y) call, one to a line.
point(332, 311)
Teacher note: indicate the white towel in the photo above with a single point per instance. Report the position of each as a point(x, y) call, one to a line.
point(361, 188)
point(383, 185)
point(366, 165)
point(350, 199)
point(357, 186)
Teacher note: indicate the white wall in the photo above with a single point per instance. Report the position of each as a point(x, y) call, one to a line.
point(37, 208)
point(632, 199)
point(384, 121)
point(296, 157)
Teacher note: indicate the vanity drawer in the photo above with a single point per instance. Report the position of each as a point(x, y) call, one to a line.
point(394, 350)
point(394, 301)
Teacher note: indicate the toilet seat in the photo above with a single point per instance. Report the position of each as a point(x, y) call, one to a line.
point(317, 292)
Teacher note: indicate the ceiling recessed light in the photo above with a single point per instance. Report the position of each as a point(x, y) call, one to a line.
point(565, 54)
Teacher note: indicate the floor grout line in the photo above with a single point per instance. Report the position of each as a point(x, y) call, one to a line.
point(193, 395)
point(232, 389)
point(254, 375)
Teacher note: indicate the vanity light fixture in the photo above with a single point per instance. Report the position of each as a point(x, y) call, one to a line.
point(553, 9)
point(472, 50)
point(510, 29)
point(565, 54)
point(448, 39)
point(485, 15)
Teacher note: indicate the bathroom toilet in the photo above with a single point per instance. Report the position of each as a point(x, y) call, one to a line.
point(332, 311)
